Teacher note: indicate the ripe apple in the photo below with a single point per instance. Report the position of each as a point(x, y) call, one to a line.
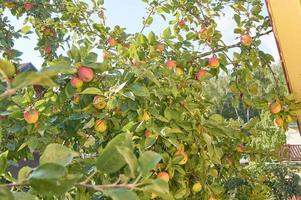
point(240, 148)
point(279, 122)
point(145, 116)
point(28, 6)
point(275, 107)
point(246, 40)
point(163, 176)
point(181, 22)
point(197, 187)
point(86, 74)
point(100, 125)
point(31, 116)
point(183, 154)
point(170, 64)
point(213, 62)
point(99, 102)
point(76, 82)
point(147, 133)
point(111, 42)
point(201, 74)
point(47, 49)
point(179, 71)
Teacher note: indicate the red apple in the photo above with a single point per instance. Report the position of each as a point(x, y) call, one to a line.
point(111, 42)
point(246, 40)
point(147, 133)
point(213, 62)
point(170, 64)
point(181, 22)
point(76, 82)
point(31, 116)
point(86, 74)
point(47, 49)
point(163, 176)
point(28, 6)
point(201, 74)
point(240, 148)
point(100, 126)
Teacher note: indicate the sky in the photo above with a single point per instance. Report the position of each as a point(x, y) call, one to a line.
point(129, 13)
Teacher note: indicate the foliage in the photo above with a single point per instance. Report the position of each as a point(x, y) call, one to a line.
point(113, 126)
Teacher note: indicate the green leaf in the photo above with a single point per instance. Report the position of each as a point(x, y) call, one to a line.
point(129, 158)
point(121, 194)
point(92, 90)
point(110, 160)
point(139, 90)
point(31, 78)
point(24, 173)
point(52, 179)
point(25, 29)
point(57, 153)
point(3, 161)
point(148, 161)
point(5, 194)
point(158, 187)
point(167, 33)
point(24, 196)
point(151, 38)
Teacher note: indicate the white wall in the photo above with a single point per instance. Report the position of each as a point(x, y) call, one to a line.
point(293, 137)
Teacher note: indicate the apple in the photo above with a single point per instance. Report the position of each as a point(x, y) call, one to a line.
point(197, 187)
point(183, 154)
point(153, 195)
point(100, 125)
point(246, 40)
point(170, 64)
point(275, 107)
point(179, 71)
point(47, 49)
point(201, 74)
point(240, 148)
point(213, 62)
point(99, 102)
point(31, 116)
point(111, 42)
point(145, 116)
point(160, 48)
point(181, 22)
point(163, 176)
point(147, 133)
point(86, 74)
point(28, 6)
point(76, 99)
point(279, 122)
point(76, 82)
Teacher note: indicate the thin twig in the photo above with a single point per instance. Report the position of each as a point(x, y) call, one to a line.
point(230, 46)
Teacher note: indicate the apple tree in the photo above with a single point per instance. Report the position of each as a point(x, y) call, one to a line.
point(125, 115)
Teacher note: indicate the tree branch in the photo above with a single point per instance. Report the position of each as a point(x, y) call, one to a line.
point(238, 44)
